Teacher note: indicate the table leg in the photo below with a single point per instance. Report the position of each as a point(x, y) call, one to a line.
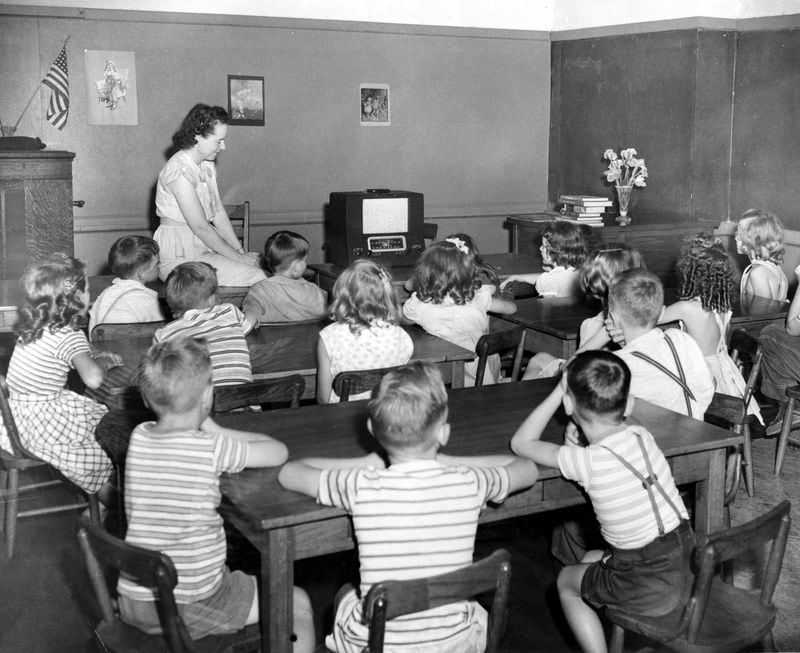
point(457, 374)
point(710, 495)
point(277, 582)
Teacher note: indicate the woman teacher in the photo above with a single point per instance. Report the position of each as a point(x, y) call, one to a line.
point(194, 225)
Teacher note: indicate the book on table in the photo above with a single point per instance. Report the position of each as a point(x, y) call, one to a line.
point(585, 200)
point(593, 222)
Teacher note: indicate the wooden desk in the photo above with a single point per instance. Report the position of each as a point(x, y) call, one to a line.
point(285, 526)
point(11, 297)
point(277, 351)
point(552, 324)
point(325, 274)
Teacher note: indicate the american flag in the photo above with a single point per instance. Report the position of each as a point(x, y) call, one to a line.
point(57, 79)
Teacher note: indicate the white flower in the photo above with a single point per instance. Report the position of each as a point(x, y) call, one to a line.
point(625, 170)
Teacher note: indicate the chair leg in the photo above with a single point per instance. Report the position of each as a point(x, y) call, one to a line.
point(617, 639)
point(94, 510)
point(3, 488)
point(11, 511)
point(747, 461)
point(768, 643)
point(783, 439)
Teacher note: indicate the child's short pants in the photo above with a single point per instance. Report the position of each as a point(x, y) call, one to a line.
point(650, 581)
point(224, 612)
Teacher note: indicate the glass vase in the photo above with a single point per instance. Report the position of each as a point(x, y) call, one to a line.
point(624, 197)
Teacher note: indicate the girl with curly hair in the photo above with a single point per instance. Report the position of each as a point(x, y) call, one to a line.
point(759, 235)
point(564, 249)
point(451, 302)
point(705, 272)
point(366, 333)
point(57, 424)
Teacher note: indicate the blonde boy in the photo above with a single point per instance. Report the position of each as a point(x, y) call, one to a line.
point(172, 495)
point(630, 485)
point(416, 518)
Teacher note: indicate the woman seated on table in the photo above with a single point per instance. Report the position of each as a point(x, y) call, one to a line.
point(194, 225)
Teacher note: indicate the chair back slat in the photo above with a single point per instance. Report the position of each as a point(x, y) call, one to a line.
point(239, 215)
point(124, 331)
point(287, 389)
point(354, 382)
point(390, 599)
point(18, 450)
point(495, 343)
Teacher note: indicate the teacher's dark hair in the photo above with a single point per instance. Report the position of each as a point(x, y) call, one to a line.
point(200, 121)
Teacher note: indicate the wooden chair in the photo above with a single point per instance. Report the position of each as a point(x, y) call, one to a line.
point(18, 460)
point(792, 397)
point(104, 332)
point(287, 389)
point(720, 617)
point(239, 215)
point(355, 382)
point(498, 342)
point(390, 599)
point(154, 570)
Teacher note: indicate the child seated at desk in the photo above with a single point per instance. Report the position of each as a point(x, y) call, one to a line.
point(564, 249)
point(172, 495)
point(285, 296)
point(399, 536)
point(451, 302)
point(630, 485)
point(759, 235)
point(192, 298)
point(134, 261)
point(366, 333)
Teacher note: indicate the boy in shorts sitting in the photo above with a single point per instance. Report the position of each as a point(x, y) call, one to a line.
point(172, 494)
point(630, 485)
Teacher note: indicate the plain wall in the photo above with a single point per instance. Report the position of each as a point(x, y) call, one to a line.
point(469, 117)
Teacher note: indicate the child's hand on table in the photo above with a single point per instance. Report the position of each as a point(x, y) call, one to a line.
point(107, 360)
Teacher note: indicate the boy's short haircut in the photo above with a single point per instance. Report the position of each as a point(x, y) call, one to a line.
point(174, 374)
point(190, 285)
point(406, 403)
point(130, 253)
point(638, 296)
point(284, 248)
point(599, 382)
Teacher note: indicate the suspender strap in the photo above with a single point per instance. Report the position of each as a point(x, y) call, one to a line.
point(648, 482)
point(679, 378)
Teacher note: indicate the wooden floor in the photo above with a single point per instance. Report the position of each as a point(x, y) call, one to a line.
point(46, 603)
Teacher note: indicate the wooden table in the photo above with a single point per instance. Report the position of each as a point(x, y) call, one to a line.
point(277, 351)
point(552, 324)
point(285, 526)
point(506, 264)
point(11, 296)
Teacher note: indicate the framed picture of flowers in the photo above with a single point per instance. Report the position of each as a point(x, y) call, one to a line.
point(246, 100)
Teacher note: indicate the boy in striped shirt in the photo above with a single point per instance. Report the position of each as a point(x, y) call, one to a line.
point(192, 297)
point(629, 482)
point(172, 495)
point(414, 519)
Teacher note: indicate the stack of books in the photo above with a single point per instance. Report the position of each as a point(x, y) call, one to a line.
point(584, 209)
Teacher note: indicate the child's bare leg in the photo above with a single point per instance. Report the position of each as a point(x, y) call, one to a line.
point(107, 495)
point(304, 636)
point(582, 618)
point(536, 364)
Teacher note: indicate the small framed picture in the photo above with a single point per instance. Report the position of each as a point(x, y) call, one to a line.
point(246, 100)
point(374, 105)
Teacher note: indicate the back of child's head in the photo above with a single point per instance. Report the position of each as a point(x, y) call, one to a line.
point(190, 285)
point(363, 296)
point(637, 296)
point(447, 269)
point(489, 270)
point(705, 271)
point(175, 373)
point(406, 404)
point(599, 382)
point(598, 271)
point(53, 292)
point(761, 235)
point(130, 253)
point(282, 249)
point(566, 243)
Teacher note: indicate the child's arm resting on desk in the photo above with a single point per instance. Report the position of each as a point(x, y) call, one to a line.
point(526, 441)
point(526, 278)
point(303, 475)
point(263, 451)
point(92, 367)
point(521, 473)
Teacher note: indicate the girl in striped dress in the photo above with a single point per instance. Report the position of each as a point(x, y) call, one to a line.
point(57, 424)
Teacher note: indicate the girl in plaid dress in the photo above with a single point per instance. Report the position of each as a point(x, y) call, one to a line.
point(56, 424)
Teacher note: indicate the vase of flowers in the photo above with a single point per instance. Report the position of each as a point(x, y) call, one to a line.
point(624, 171)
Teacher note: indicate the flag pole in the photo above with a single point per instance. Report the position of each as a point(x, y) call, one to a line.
point(36, 90)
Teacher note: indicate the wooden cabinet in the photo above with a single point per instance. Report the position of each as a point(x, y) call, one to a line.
point(35, 207)
point(659, 243)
